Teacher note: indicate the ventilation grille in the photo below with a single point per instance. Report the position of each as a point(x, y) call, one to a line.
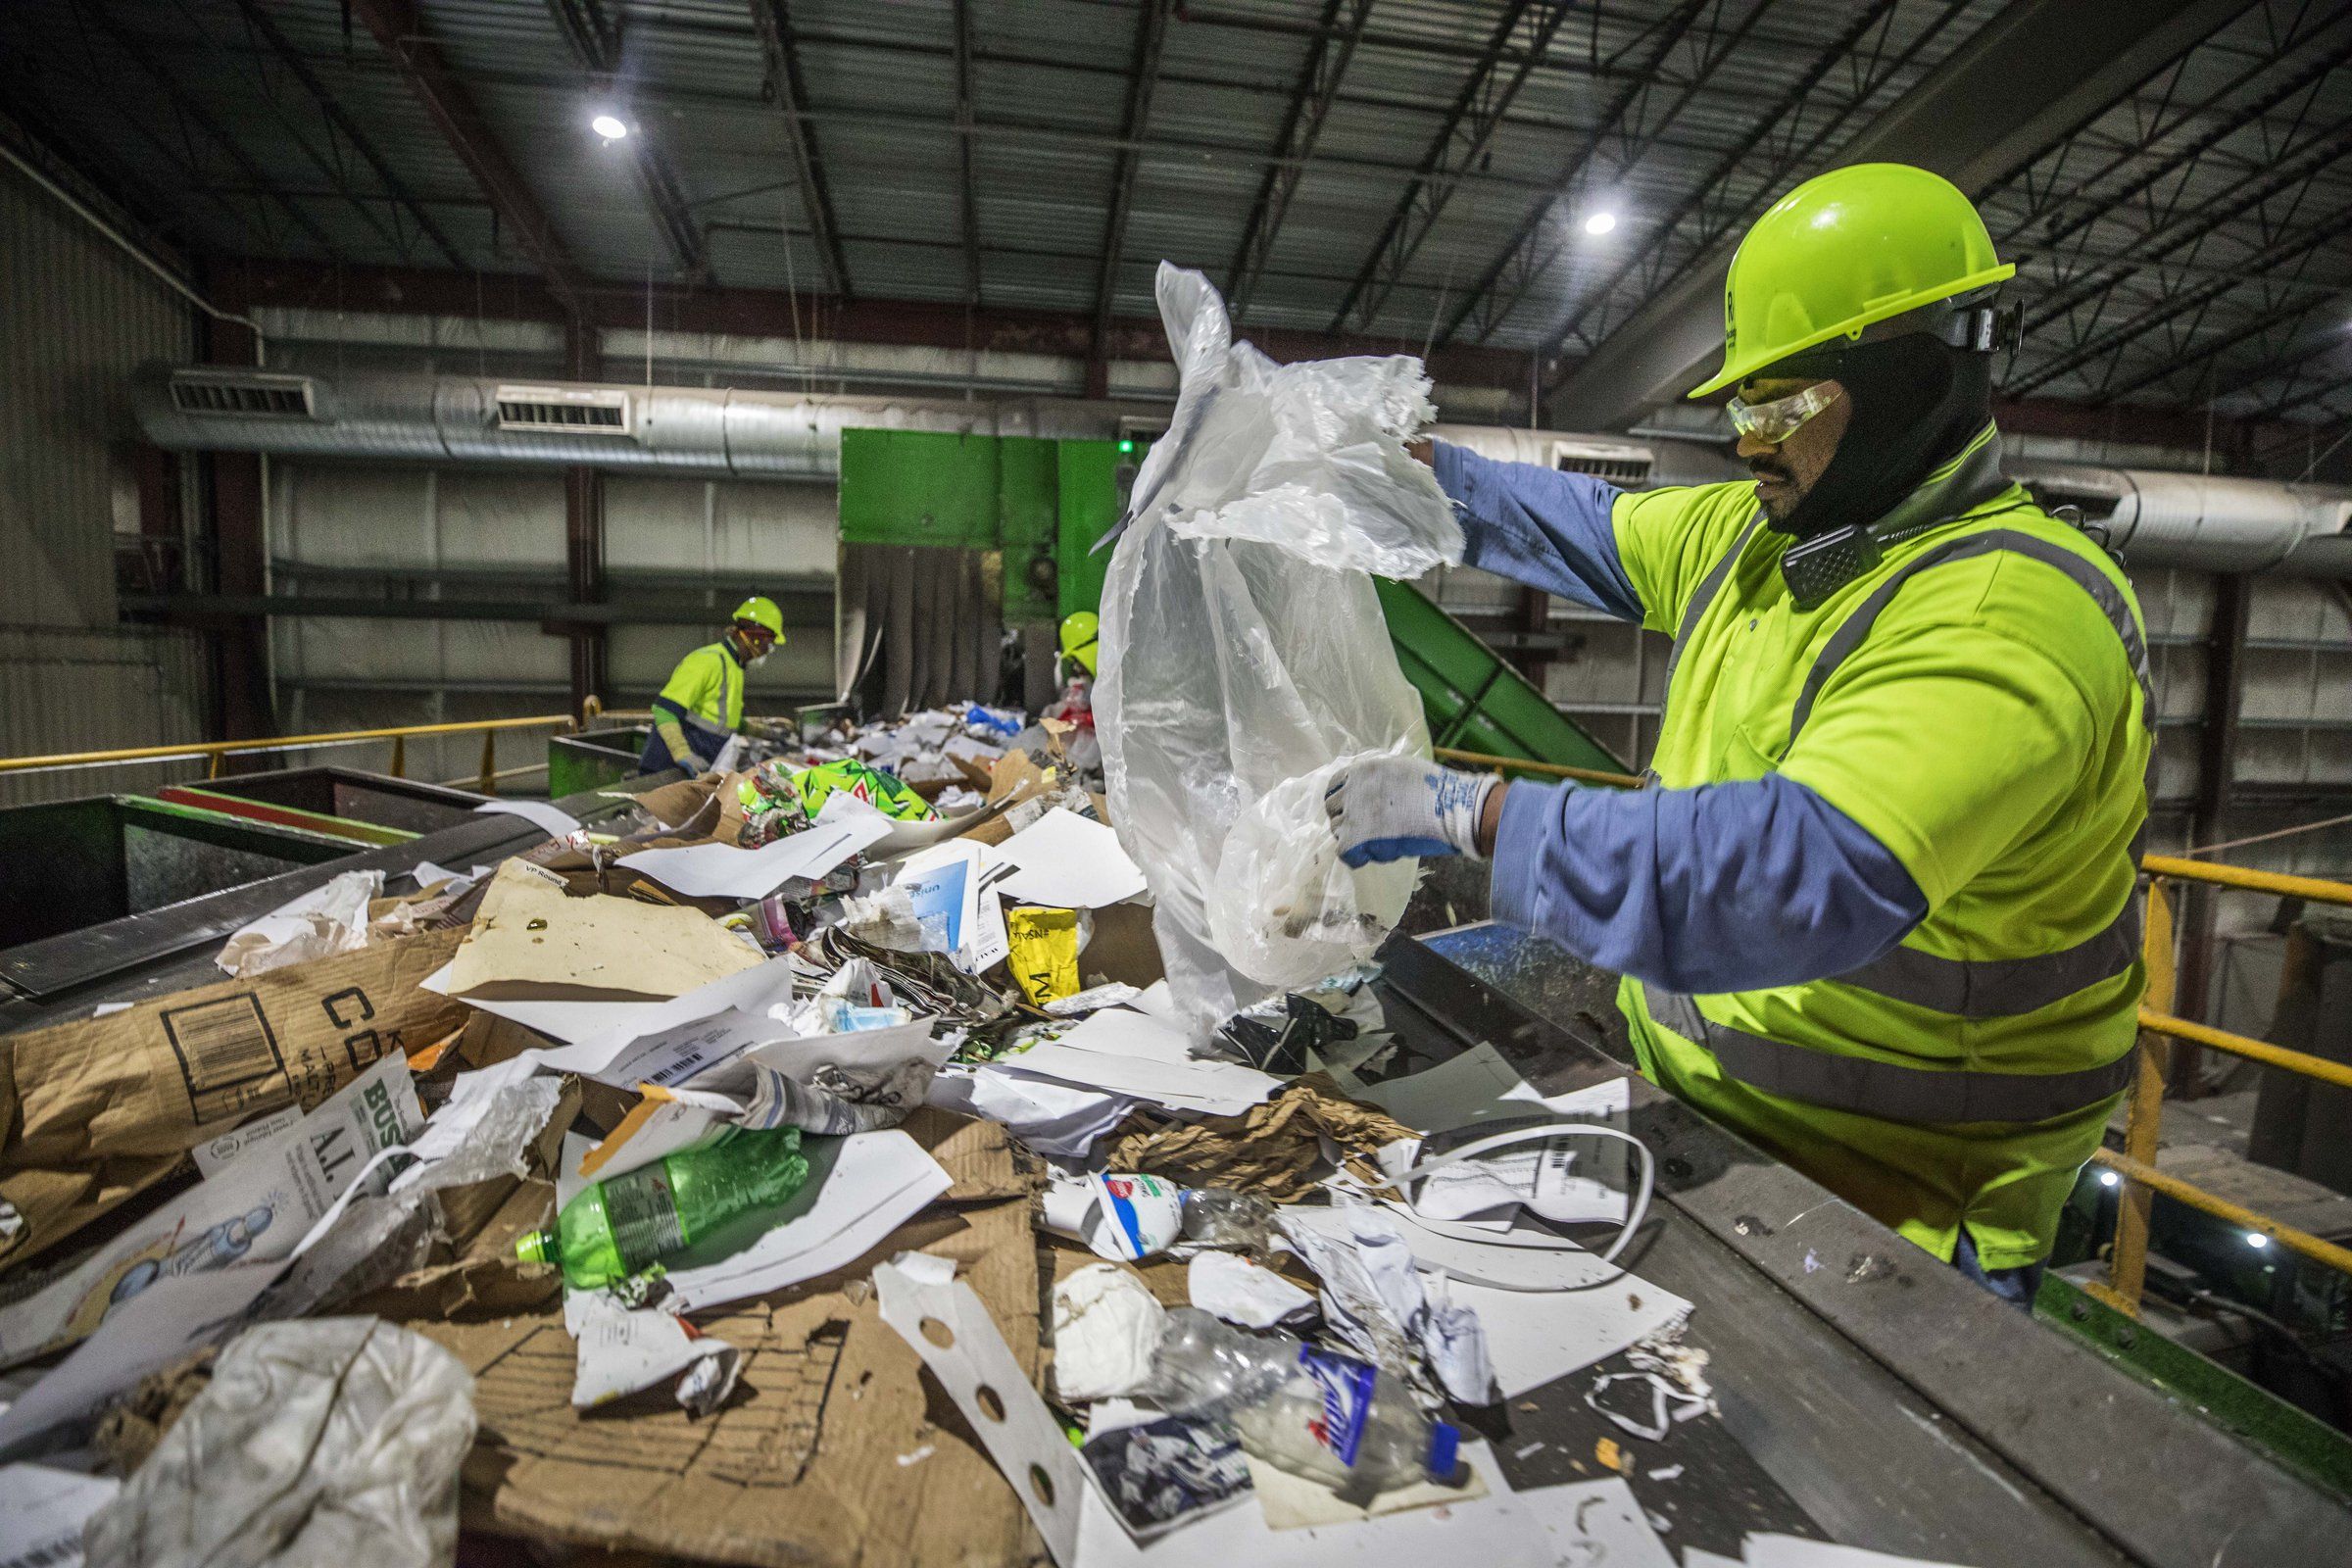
point(1617, 471)
point(245, 395)
point(567, 410)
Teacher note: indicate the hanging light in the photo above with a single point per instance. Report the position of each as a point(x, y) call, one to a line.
point(2108, 1178)
point(609, 126)
point(2257, 1240)
point(1601, 223)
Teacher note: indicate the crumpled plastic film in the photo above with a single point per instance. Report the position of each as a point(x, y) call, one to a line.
point(317, 1444)
point(1243, 644)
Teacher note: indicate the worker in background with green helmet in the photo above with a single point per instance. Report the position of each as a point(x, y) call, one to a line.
point(1876, 910)
point(702, 705)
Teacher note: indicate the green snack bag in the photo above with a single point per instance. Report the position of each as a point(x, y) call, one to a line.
point(618, 1227)
point(882, 791)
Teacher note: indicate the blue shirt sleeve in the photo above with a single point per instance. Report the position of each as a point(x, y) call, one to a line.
point(1724, 887)
point(1547, 529)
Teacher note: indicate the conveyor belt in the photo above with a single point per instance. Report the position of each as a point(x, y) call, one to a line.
point(170, 948)
point(1869, 1394)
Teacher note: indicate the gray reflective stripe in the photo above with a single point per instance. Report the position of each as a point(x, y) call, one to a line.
point(2001, 988)
point(1855, 627)
point(1705, 595)
point(1886, 1090)
point(726, 685)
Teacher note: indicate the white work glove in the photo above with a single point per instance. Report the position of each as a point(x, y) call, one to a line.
point(1400, 808)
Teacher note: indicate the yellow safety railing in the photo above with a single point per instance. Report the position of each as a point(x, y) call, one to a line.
point(2134, 1164)
point(217, 752)
point(1518, 764)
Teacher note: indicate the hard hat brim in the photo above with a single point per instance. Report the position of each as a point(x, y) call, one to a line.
point(1736, 370)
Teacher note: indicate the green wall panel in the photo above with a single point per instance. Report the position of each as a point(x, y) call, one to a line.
point(1089, 504)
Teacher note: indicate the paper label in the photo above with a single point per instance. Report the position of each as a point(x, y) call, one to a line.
point(1143, 1212)
point(1347, 1386)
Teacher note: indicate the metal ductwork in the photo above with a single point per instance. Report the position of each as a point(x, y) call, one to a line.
point(2211, 523)
point(690, 431)
point(2155, 517)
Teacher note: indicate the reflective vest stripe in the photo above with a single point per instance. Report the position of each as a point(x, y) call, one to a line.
point(1705, 595)
point(1888, 1091)
point(2001, 988)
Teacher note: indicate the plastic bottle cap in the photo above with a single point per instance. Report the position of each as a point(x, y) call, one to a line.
point(1445, 1445)
point(532, 1247)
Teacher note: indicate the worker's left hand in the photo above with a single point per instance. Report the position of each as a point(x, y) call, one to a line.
point(1400, 808)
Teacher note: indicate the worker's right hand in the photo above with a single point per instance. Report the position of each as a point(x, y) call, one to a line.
point(1405, 807)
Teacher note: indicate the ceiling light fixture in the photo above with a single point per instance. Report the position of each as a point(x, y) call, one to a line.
point(1601, 223)
point(2257, 1240)
point(609, 126)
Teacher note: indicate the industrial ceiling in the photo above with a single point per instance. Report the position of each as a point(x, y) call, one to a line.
point(1559, 181)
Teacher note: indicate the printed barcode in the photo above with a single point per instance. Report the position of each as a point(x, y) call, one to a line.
point(227, 1055)
point(56, 1553)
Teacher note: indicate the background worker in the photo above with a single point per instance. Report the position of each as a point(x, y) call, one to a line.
point(702, 705)
point(1876, 910)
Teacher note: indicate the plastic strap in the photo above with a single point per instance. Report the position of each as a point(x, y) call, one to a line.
point(1636, 1209)
point(1889, 1091)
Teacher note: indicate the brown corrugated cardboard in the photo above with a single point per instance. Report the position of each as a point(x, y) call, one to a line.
point(99, 1110)
point(534, 939)
point(833, 1450)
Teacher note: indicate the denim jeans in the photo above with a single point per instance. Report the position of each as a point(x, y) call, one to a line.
point(2016, 1286)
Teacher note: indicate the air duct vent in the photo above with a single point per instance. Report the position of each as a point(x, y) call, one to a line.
point(569, 411)
point(244, 393)
point(1623, 470)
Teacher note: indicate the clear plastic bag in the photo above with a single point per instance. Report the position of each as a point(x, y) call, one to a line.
point(1244, 653)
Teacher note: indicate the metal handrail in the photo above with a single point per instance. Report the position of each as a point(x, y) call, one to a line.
point(1493, 763)
point(2136, 1163)
point(485, 780)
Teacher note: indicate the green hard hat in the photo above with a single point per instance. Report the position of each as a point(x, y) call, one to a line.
point(1079, 633)
point(762, 612)
point(1844, 251)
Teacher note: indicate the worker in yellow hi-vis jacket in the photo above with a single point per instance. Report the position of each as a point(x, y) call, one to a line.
point(1876, 910)
point(702, 705)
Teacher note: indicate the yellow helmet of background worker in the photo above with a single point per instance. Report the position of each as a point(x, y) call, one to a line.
point(1842, 252)
point(762, 612)
point(1079, 632)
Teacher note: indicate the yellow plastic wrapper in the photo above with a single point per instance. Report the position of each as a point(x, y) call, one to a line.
point(1045, 952)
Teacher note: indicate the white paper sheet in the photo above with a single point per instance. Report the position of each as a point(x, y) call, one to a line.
point(621, 1352)
point(598, 1031)
point(41, 1514)
point(1596, 1522)
point(1794, 1551)
point(1051, 1117)
point(1239, 1292)
point(552, 820)
point(1066, 860)
point(723, 871)
point(1533, 1337)
point(1127, 1054)
point(1494, 1529)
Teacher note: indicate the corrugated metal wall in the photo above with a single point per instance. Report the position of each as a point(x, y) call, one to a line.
point(76, 318)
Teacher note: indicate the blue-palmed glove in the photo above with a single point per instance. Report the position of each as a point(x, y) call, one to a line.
point(1400, 808)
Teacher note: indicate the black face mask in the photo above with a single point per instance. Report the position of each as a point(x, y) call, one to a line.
point(1916, 403)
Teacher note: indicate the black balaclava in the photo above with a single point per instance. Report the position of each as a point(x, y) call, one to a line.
point(1916, 403)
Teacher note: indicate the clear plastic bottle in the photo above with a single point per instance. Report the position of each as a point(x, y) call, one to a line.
point(1328, 1417)
point(618, 1227)
point(1216, 1216)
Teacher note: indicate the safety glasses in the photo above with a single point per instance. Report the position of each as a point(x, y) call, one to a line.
point(1777, 420)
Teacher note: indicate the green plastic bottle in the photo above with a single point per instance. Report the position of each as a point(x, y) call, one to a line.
point(618, 1227)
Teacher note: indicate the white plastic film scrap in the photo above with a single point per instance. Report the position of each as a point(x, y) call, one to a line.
point(1244, 652)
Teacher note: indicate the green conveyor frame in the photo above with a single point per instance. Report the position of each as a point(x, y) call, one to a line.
point(1476, 701)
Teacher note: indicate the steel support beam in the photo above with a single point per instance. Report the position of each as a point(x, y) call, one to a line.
point(773, 19)
point(1537, 244)
point(596, 43)
point(259, 22)
point(2217, 755)
point(584, 542)
point(243, 705)
point(1311, 100)
point(1460, 144)
point(2017, 87)
point(193, 112)
point(400, 33)
point(1150, 34)
point(967, 201)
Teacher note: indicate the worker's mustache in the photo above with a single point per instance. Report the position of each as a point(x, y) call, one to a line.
point(1770, 470)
